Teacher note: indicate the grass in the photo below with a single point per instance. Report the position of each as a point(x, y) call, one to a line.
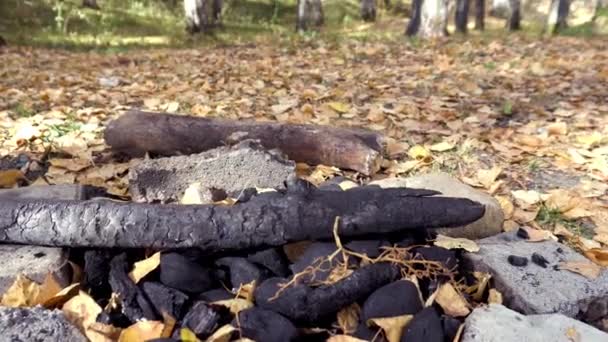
point(549, 217)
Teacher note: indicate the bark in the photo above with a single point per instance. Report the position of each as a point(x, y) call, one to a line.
point(197, 18)
point(557, 19)
point(368, 10)
point(217, 11)
point(480, 13)
point(414, 24)
point(309, 15)
point(268, 219)
point(500, 8)
point(514, 22)
point(462, 15)
point(599, 5)
point(90, 4)
point(139, 132)
point(433, 19)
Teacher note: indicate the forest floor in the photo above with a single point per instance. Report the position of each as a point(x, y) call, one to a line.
point(525, 119)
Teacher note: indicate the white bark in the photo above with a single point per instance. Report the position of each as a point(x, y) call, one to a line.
point(433, 18)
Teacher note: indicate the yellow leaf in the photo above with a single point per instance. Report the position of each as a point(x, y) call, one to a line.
point(494, 297)
point(558, 128)
point(339, 107)
point(23, 292)
point(456, 243)
point(562, 200)
point(48, 289)
point(483, 279)
point(348, 318)
point(488, 177)
point(576, 213)
point(451, 301)
point(235, 305)
point(584, 268)
point(589, 140)
point(442, 146)
point(144, 267)
point(169, 324)
point(62, 296)
point(347, 184)
point(152, 103)
point(561, 230)
point(598, 255)
point(10, 178)
point(392, 326)
point(507, 206)
point(71, 164)
point(100, 332)
point(222, 334)
point(142, 331)
point(526, 198)
point(586, 244)
point(420, 153)
point(82, 311)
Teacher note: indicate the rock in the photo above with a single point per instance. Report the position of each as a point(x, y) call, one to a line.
point(496, 323)
point(533, 289)
point(59, 192)
point(490, 224)
point(34, 262)
point(36, 324)
point(233, 169)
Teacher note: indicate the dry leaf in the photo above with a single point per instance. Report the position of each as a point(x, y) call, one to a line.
point(494, 297)
point(82, 311)
point(510, 225)
point(10, 178)
point(523, 216)
point(488, 177)
point(561, 230)
point(222, 334)
point(558, 128)
point(347, 184)
point(507, 206)
point(339, 107)
point(561, 200)
point(142, 331)
point(451, 301)
point(602, 238)
point(144, 267)
point(483, 279)
point(100, 332)
point(48, 289)
point(598, 255)
point(456, 243)
point(23, 292)
point(442, 146)
point(537, 235)
point(587, 244)
point(585, 268)
point(61, 297)
point(71, 164)
point(392, 326)
point(526, 198)
point(192, 195)
point(235, 305)
point(348, 318)
point(420, 153)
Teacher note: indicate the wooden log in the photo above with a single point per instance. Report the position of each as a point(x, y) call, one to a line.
point(267, 219)
point(138, 132)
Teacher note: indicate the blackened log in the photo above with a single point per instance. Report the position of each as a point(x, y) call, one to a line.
point(165, 300)
point(265, 325)
point(139, 132)
point(462, 15)
point(135, 305)
point(309, 305)
point(267, 219)
point(201, 319)
point(181, 273)
point(480, 14)
point(96, 272)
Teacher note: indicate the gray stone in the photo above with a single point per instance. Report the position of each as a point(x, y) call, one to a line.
point(536, 290)
point(496, 323)
point(490, 224)
point(32, 261)
point(36, 324)
point(233, 169)
point(60, 192)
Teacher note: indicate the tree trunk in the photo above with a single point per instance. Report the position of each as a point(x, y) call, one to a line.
point(139, 132)
point(462, 15)
point(197, 19)
point(557, 19)
point(480, 13)
point(500, 9)
point(217, 12)
point(433, 18)
point(90, 4)
point(414, 24)
point(309, 15)
point(368, 10)
point(599, 5)
point(267, 219)
point(514, 22)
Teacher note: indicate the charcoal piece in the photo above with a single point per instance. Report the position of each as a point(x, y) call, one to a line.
point(304, 304)
point(450, 327)
point(518, 261)
point(395, 299)
point(268, 219)
point(369, 247)
point(201, 319)
point(181, 273)
point(265, 325)
point(425, 326)
point(135, 305)
point(272, 259)
point(215, 295)
point(522, 233)
point(96, 272)
point(333, 184)
point(115, 318)
point(432, 253)
point(539, 260)
point(165, 299)
point(241, 271)
point(316, 256)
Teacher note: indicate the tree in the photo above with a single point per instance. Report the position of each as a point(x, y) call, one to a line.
point(480, 13)
point(429, 18)
point(461, 16)
point(90, 4)
point(197, 19)
point(309, 15)
point(217, 11)
point(368, 10)
point(500, 8)
point(557, 19)
point(514, 21)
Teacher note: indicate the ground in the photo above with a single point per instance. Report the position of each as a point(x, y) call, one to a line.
point(517, 115)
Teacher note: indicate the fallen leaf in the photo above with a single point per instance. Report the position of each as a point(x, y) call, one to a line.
point(561, 230)
point(142, 331)
point(451, 301)
point(458, 333)
point(562, 200)
point(392, 326)
point(483, 279)
point(144, 267)
point(82, 311)
point(222, 334)
point(235, 305)
point(169, 324)
point(48, 289)
point(587, 244)
point(420, 153)
point(348, 318)
point(584, 268)
point(526, 198)
point(339, 107)
point(507, 206)
point(589, 140)
point(494, 297)
point(442, 146)
point(456, 243)
point(558, 128)
point(10, 178)
point(537, 235)
point(22, 293)
point(576, 213)
point(61, 297)
point(71, 164)
point(488, 177)
point(601, 238)
point(598, 255)
point(347, 184)
point(100, 332)
point(510, 225)
point(523, 216)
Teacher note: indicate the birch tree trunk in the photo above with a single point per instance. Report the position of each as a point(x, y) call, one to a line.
point(197, 19)
point(514, 22)
point(368, 10)
point(480, 13)
point(557, 19)
point(462, 15)
point(433, 18)
point(500, 8)
point(309, 15)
